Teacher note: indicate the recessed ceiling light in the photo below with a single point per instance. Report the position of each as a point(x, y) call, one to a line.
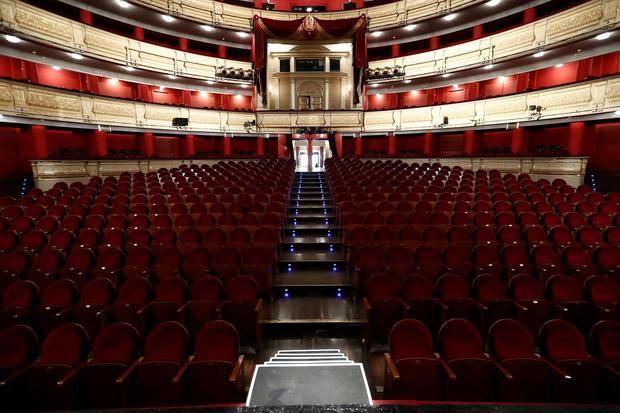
point(413, 92)
point(207, 27)
point(162, 88)
point(309, 9)
point(455, 86)
point(123, 4)
point(559, 65)
point(446, 75)
point(410, 27)
point(449, 17)
point(1, 116)
point(244, 86)
point(493, 3)
point(172, 77)
point(617, 113)
point(407, 81)
point(113, 80)
point(489, 67)
point(603, 36)
point(129, 68)
point(56, 67)
point(377, 33)
point(540, 54)
point(242, 34)
point(374, 85)
point(501, 78)
point(12, 39)
point(76, 56)
point(167, 18)
point(203, 93)
point(210, 82)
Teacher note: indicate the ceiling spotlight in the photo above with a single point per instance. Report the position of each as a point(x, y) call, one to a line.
point(113, 80)
point(407, 81)
point(161, 88)
point(540, 54)
point(309, 9)
point(12, 39)
point(203, 93)
point(455, 86)
point(493, 3)
point(123, 4)
point(501, 78)
point(129, 68)
point(617, 113)
point(244, 86)
point(603, 36)
point(56, 67)
point(76, 56)
point(210, 82)
point(449, 17)
point(489, 67)
point(207, 27)
point(377, 33)
point(1, 116)
point(410, 27)
point(171, 77)
point(446, 75)
point(374, 85)
point(559, 65)
point(167, 18)
point(242, 34)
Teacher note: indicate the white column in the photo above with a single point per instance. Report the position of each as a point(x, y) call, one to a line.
point(277, 93)
point(343, 92)
point(326, 94)
point(327, 63)
point(292, 63)
point(293, 95)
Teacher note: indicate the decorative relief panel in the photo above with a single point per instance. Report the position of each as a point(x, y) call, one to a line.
point(579, 21)
point(47, 27)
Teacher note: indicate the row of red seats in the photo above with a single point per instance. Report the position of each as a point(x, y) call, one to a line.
point(121, 372)
point(513, 371)
point(136, 301)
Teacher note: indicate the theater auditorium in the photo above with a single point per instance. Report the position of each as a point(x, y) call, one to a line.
point(352, 206)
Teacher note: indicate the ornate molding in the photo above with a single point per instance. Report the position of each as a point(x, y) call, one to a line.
point(45, 27)
point(583, 20)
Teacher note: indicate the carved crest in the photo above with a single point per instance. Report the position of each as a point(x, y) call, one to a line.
point(309, 24)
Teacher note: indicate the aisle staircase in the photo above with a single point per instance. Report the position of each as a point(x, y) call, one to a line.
point(313, 285)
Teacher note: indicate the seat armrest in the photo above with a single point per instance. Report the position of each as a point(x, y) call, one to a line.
point(104, 311)
point(234, 375)
point(145, 308)
point(366, 305)
point(259, 305)
point(9, 380)
point(177, 377)
point(554, 369)
point(123, 378)
point(64, 312)
point(72, 374)
point(451, 375)
point(507, 375)
point(390, 368)
point(182, 309)
point(605, 366)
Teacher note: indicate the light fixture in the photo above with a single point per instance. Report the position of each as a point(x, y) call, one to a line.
point(203, 93)
point(559, 65)
point(161, 88)
point(207, 27)
point(414, 92)
point(1, 116)
point(113, 80)
point(489, 67)
point(410, 27)
point(501, 78)
point(12, 39)
point(493, 3)
point(76, 56)
point(617, 113)
point(129, 68)
point(449, 17)
point(171, 77)
point(446, 75)
point(374, 85)
point(244, 85)
point(309, 9)
point(455, 86)
point(56, 67)
point(407, 81)
point(210, 82)
point(540, 54)
point(242, 34)
point(603, 36)
point(377, 33)
point(167, 18)
point(123, 4)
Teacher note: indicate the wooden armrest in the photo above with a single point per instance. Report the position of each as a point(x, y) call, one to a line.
point(482, 306)
point(259, 305)
point(234, 375)
point(366, 304)
point(64, 312)
point(22, 314)
point(127, 373)
point(71, 375)
point(104, 311)
point(499, 367)
point(183, 307)
point(554, 369)
point(605, 366)
point(145, 308)
point(519, 306)
point(177, 378)
point(447, 369)
point(12, 377)
point(390, 367)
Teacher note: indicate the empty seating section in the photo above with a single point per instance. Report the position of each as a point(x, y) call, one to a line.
point(140, 267)
point(452, 263)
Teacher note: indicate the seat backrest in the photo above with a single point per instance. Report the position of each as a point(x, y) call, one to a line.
point(67, 345)
point(561, 288)
point(605, 340)
point(560, 340)
point(167, 342)
point(61, 293)
point(98, 291)
point(18, 346)
point(171, 289)
point(117, 343)
point(217, 340)
point(525, 287)
point(509, 339)
point(136, 290)
point(459, 339)
point(410, 338)
point(601, 290)
point(381, 286)
point(243, 288)
point(488, 287)
point(20, 294)
point(451, 287)
point(417, 286)
point(208, 288)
